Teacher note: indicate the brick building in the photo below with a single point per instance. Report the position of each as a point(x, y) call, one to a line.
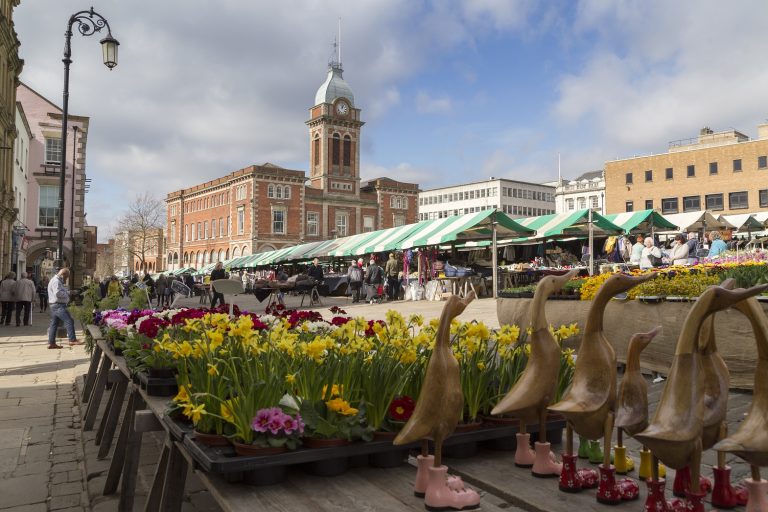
point(265, 207)
point(724, 172)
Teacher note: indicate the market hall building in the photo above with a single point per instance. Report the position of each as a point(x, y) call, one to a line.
point(265, 207)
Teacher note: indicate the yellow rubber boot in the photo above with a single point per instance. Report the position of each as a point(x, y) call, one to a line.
point(620, 459)
point(644, 472)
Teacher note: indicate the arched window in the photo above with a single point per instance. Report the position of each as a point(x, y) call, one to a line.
point(235, 252)
point(404, 203)
point(175, 257)
point(271, 191)
point(205, 257)
point(226, 255)
point(221, 255)
point(287, 192)
point(347, 151)
point(335, 149)
point(316, 149)
point(136, 266)
point(199, 258)
point(278, 192)
point(186, 258)
point(244, 252)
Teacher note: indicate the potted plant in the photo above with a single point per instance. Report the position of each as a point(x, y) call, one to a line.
point(272, 431)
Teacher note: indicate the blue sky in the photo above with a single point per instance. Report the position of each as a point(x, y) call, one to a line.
point(451, 90)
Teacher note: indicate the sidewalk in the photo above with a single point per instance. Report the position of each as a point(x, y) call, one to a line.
point(41, 455)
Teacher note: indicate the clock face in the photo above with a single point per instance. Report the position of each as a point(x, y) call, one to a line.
point(342, 108)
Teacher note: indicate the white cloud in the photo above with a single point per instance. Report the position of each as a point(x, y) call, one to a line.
point(427, 104)
point(403, 171)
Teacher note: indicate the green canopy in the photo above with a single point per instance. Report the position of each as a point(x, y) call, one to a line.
point(386, 239)
point(565, 225)
point(352, 242)
point(471, 226)
point(643, 220)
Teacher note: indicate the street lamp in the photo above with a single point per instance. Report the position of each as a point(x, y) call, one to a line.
point(88, 23)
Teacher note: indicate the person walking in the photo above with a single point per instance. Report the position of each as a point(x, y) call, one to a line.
point(7, 297)
point(392, 273)
point(374, 277)
point(355, 279)
point(25, 294)
point(42, 293)
point(58, 296)
point(160, 286)
point(218, 273)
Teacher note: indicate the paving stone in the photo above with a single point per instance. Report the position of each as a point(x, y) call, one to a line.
point(39, 507)
point(65, 501)
point(9, 458)
point(40, 434)
point(60, 450)
point(74, 476)
point(9, 402)
point(24, 490)
point(109, 505)
point(38, 452)
point(66, 488)
point(64, 466)
point(61, 477)
point(32, 468)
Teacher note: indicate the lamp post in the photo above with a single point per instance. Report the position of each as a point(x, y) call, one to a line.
point(88, 23)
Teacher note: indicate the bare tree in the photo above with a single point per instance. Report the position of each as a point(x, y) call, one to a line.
point(140, 229)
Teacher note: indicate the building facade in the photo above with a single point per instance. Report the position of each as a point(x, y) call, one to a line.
point(44, 120)
point(515, 198)
point(724, 172)
point(20, 179)
point(266, 207)
point(586, 191)
point(10, 68)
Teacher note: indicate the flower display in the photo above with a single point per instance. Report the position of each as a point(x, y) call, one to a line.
point(274, 428)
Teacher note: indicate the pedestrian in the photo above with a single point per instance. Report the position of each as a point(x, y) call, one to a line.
point(218, 273)
point(25, 294)
point(42, 293)
point(58, 296)
point(160, 286)
point(103, 284)
point(392, 272)
point(114, 289)
point(8, 297)
point(315, 271)
point(282, 277)
point(355, 279)
point(651, 255)
point(716, 246)
point(374, 278)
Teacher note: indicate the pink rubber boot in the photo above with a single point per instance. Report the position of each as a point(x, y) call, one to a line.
point(757, 492)
point(441, 497)
point(422, 476)
point(524, 456)
point(544, 466)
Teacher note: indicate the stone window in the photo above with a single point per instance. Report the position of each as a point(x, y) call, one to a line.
point(738, 200)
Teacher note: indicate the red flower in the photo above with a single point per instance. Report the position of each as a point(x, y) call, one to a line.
point(401, 408)
point(336, 310)
point(340, 320)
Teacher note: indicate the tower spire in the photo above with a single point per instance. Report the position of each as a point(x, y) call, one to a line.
point(339, 45)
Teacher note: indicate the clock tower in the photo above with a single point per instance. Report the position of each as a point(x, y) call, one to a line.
point(334, 136)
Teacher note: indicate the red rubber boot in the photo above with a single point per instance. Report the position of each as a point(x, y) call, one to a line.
point(569, 479)
point(724, 495)
point(608, 492)
point(757, 495)
point(683, 482)
point(695, 501)
point(656, 502)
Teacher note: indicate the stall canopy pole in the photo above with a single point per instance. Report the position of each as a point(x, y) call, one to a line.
point(494, 256)
point(591, 240)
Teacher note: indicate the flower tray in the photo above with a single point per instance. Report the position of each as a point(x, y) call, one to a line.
point(158, 386)
point(225, 460)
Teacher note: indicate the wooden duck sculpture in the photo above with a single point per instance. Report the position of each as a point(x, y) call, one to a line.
point(529, 397)
point(438, 410)
point(675, 435)
point(589, 403)
point(750, 441)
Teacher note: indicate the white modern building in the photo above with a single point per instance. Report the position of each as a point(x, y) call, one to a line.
point(586, 191)
point(515, 198)
point(20, 177)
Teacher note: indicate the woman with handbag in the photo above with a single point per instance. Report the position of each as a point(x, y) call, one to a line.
point(651, 255)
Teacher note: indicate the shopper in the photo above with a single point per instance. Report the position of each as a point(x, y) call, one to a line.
point(58, 297)
point(392, 272)
point(637, 251)
point(679, 250)
point(161, 284)
point(315, 271)
point(716, 246)
point(649, 254)
point(374, 278)
point(355, 279)
point(25, 294)
point(8, 297)
point(42, 293)
point(218, 273)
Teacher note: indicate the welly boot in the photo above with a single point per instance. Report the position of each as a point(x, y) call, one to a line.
point(683, 482)
point(440, 496)
point(623, 463)
point(544, 466)
point(656, 502)
point(628, 489)
point(646, 458)
point(694, 501)
point(724, 495)
point(589, 478)
point(583, 448)
point(569, 479)
point(423, 463)
point(595, 452)
point(524, 456)
point(757, 495)
point(608, 492)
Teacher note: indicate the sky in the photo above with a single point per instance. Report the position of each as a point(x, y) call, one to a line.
point(451, 91)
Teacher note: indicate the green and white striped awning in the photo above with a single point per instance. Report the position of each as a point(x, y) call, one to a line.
point(386, 239)
point(643, 220)
point(471, 226)
point(562, 225)
point(351, 243)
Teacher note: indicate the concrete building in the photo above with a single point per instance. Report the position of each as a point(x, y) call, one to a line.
point(44, 119)
point(266, 207)
point(515, 198)
point(10, 68)
point(725, 172)
point(20, 177)
point(105, 259)
point(586, 191)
